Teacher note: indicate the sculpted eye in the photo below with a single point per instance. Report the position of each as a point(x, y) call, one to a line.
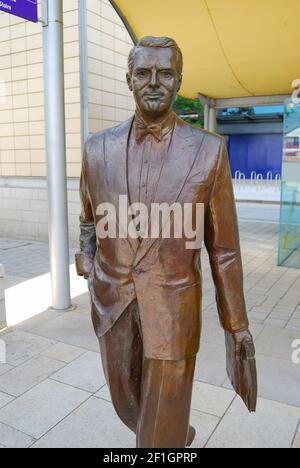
point(167, 74)
point(142, 74)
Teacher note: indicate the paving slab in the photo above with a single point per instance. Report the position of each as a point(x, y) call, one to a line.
point(278, 379)
point(71, 328)
point(204, 424)
point(5, 399)
point(273, 426)
point(37, 320)
point(103, 393)
point(260, 318)
point(212, 331)
point(11, 438)
point(85, 373)
point(276, 342)
point(22, 346)
point(11, 281)
point(211, 364)
point(93, 425)
point(4, 368)
point(63, 352)
point(273, 322)
point(296, 443)
point(42, 407)
point(24, 377)
point(211, 399)
point(294, 324)
point(83, 303)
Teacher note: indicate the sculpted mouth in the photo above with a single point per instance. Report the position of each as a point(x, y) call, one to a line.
point(153, 96)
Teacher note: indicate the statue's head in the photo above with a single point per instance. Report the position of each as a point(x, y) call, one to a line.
point(155, 75)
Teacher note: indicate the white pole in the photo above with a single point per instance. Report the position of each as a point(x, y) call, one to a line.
point(212, 125)
point(206, 116)
point(56, 153)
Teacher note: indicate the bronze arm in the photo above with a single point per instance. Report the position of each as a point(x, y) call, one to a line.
point(223, 246)
point(88, 244)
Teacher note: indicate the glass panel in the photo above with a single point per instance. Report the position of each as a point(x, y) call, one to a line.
point(289, 240)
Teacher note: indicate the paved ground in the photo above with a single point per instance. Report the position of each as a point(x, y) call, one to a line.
point(52, 389)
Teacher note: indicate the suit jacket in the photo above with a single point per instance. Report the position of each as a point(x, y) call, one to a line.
point(162, 274)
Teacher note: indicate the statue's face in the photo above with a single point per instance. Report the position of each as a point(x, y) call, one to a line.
point(155, 80)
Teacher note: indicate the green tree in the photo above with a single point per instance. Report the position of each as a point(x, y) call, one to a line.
point(190, 110)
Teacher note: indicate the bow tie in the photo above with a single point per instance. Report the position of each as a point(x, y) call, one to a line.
point(141, 130)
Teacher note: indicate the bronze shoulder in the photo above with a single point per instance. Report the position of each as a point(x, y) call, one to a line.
point(189, 130)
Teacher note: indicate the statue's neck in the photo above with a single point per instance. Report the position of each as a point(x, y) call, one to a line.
point(150, 119)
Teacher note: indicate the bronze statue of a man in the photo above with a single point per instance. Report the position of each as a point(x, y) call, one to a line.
point(145, 291)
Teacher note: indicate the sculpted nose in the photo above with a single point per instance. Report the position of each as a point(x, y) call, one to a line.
point(153, 83)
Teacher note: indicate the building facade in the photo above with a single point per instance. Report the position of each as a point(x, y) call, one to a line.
point(96, 47)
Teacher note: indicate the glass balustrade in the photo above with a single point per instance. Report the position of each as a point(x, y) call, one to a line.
point(289, 233)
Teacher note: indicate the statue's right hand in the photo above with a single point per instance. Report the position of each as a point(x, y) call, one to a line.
point(87, 275)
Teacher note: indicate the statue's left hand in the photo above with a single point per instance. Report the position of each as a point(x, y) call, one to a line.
point(241, 338)
point(241, 366)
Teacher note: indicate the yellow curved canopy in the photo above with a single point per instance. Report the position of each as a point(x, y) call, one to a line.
point(231, 48)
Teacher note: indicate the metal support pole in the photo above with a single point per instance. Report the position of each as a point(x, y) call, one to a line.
point(56, 153)
point(212, 125)
point(206, 116)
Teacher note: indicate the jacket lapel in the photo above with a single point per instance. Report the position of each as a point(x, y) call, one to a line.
point(179, 162)
point(115, 164)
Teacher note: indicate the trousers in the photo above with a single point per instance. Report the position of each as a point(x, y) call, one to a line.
point(151, 397)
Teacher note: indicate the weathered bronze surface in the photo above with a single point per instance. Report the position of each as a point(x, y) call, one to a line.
point(146, 293)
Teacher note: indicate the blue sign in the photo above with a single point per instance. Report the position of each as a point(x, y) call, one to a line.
point(27, 9)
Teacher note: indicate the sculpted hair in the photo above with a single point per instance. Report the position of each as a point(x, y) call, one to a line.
point(159, 42)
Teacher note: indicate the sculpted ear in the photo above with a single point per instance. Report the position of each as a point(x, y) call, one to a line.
point(128, 78)
point(179, 83)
